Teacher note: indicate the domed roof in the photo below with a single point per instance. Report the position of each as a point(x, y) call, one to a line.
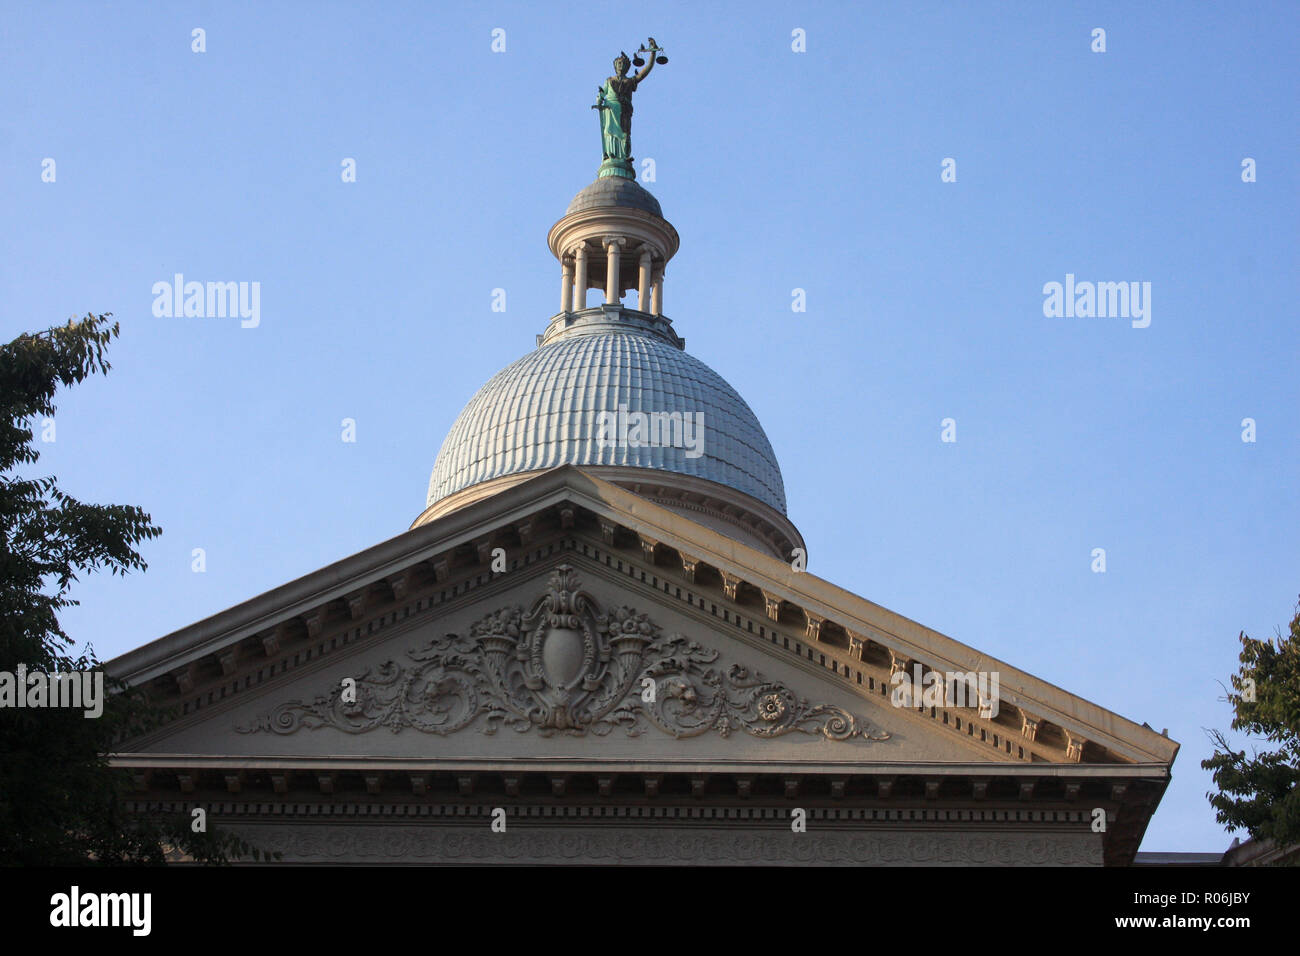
point(615, 191)
point(544, 411)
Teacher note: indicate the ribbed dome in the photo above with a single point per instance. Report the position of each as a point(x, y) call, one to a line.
point(615, 191)
point(543, 411)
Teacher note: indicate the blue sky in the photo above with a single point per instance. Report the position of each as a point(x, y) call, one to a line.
point(781, 170)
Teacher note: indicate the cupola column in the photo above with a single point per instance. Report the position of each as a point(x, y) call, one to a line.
point(613, 249)
point(643, 281)
point(566, 285)
point(580, 256)
point(657, 293)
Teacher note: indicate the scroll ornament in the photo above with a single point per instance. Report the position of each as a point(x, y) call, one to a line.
point(563, 667)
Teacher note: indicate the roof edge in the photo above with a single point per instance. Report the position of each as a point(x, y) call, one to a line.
point(571, 483)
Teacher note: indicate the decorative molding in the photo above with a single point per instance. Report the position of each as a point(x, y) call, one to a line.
point(674, 809)
point(229, 660)
point(316, 842)
point(1029, 725)
point(356, 604)
point(1074, 748)
point(184, 677)
point(314, 619)
point(564, 667)
point(898, 663)
point(760, 528)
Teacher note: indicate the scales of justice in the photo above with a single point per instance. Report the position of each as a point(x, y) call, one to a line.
point(614, 103)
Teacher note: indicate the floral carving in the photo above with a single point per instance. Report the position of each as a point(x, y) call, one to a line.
point(564, 667)
point(771, 707)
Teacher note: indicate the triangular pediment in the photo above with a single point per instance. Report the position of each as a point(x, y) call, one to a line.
point(569, 635)
point(827, 646)
point(564, 660)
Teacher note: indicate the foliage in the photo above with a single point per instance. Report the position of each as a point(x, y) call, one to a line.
point(1259, 793)
point(60, 801)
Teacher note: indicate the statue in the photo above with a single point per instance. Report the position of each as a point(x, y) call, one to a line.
point(614, 101)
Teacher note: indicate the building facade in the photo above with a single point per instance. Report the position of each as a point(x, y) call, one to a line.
point(597, 644)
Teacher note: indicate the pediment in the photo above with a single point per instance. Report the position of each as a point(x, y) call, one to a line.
point(256, 681)
point(568, 660)
point(503, 651)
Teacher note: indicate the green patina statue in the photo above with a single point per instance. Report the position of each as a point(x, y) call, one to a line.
point(614, 101)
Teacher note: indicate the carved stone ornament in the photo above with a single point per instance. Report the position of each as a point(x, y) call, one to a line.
point(564, 667)
point(317, 843)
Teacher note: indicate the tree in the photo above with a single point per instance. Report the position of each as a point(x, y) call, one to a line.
point(60, 801)
point(1260, 793)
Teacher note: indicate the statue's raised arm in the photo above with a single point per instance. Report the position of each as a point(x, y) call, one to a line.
point(653, 50)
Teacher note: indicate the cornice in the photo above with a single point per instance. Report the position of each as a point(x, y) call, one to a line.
point(890, 797)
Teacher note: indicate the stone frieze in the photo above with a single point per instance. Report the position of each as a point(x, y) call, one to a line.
point(565, 667)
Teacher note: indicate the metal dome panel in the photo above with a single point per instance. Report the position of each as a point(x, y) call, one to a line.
point(544, 411)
